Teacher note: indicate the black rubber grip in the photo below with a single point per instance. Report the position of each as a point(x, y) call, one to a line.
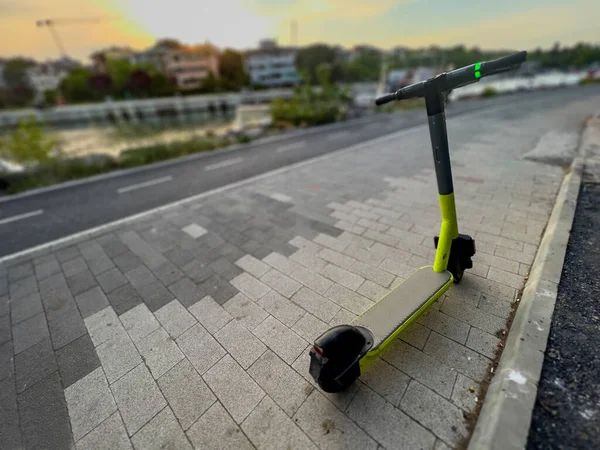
point(502, 64)
point(385, 99)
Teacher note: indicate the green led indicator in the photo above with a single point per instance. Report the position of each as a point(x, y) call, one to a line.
point(477, 68)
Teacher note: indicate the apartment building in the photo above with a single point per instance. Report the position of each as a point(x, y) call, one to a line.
point(271, 65)
point(191, 65)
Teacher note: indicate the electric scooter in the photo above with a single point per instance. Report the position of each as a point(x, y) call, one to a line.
point(342, 353)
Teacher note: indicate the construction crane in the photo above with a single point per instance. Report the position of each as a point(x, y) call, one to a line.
point(52, 23)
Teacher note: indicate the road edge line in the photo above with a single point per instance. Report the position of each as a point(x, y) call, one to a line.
point(505, 417)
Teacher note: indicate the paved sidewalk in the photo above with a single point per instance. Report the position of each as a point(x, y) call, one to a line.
point(190, 327)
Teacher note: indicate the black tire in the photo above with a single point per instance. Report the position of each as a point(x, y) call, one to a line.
point(330, 386)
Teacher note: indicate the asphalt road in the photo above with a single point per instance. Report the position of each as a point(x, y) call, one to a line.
point(566, 413)
point(32, 220)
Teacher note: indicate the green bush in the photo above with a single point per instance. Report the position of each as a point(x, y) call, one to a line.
point(586, 81)
point(489, 92)
point(28, 143)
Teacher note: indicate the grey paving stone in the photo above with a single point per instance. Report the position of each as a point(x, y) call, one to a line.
point(159, 351)
point(9, 415)
point(446, 325)
point(328, 427)
point(422, 367)
point(138, 398)
point(118, 356)
point(179, 256)
point(103, 326)
point(127, 261)
point(194, 230)
point(175, 319)
point(461, 358)
point(67, 254)
point(155, 295)
point(238, 393)
point(315, 304)
point(26, 307)
point(20, 271)
point(198, 271)
point(34, 364)
point(29, 332)
point(76, 360)
point(348, 299)
point(90, 402)
point(225, 268)
point(343, 317)
point(281, 308)
point(7, 366)
point(186, 291)
point(416, 335)
point(465, 393)
point(473, 316)
point(218, 288)
point(205, 255)
point(240, 343)
point(112, 245)
point(81, 282)
point(495, 306)
point(5, 332)
point(342, 276)
point(245, 311)
point(279, 338)
point(109, 435)
point(250, 286)
point(92, 301)
point(254, 266)
point(150, 257)
point(22, 288)
point(65, 329)
point(230, 251)
point(280, 382)
point(140, 276)
point(95, 257)
point(139, 322)
point(216, 430)
point(111, 280)
point(168, 273)
point(386, 380)
point(124, 298)
point(4, 303)
point(483, 342)
point(46, 269)
point(280, 283)
point(200, 348)
point(311, 279)
point(435, 412)
point(268, 427)
point(187, 394)
point(162, 431)
point(43, 400)
point(386, 423)
point(210, 314)
point(309, 327)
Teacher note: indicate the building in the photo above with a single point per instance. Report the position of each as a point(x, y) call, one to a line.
point(189, 66)
point(155, 56)
point(100, 58)
point(271, 65)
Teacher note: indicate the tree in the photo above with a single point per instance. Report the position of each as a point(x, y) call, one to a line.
point(310, 57)
point(232, 71)
point(18, 92)
point(76, 87)
point(139, 83)
point(169, 43)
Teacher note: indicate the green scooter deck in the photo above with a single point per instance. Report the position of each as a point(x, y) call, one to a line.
point(392, 311)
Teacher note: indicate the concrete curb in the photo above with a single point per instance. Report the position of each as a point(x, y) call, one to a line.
point(505, 417)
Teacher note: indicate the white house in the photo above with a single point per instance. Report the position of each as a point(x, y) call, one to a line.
point(271, 65)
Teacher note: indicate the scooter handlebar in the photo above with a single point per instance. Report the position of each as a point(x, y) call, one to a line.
point(458, 78)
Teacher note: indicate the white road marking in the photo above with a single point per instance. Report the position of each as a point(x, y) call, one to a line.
point(21, 216)
point(338, 135)
point(134, 187)
point(228, 162)
point(292, 146)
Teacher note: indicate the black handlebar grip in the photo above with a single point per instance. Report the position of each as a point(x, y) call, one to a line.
point(502, 64)
point(385, 99)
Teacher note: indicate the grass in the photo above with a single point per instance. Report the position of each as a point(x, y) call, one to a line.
point(61, 170)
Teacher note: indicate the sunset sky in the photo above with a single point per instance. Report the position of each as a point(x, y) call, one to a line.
point(513, 24)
